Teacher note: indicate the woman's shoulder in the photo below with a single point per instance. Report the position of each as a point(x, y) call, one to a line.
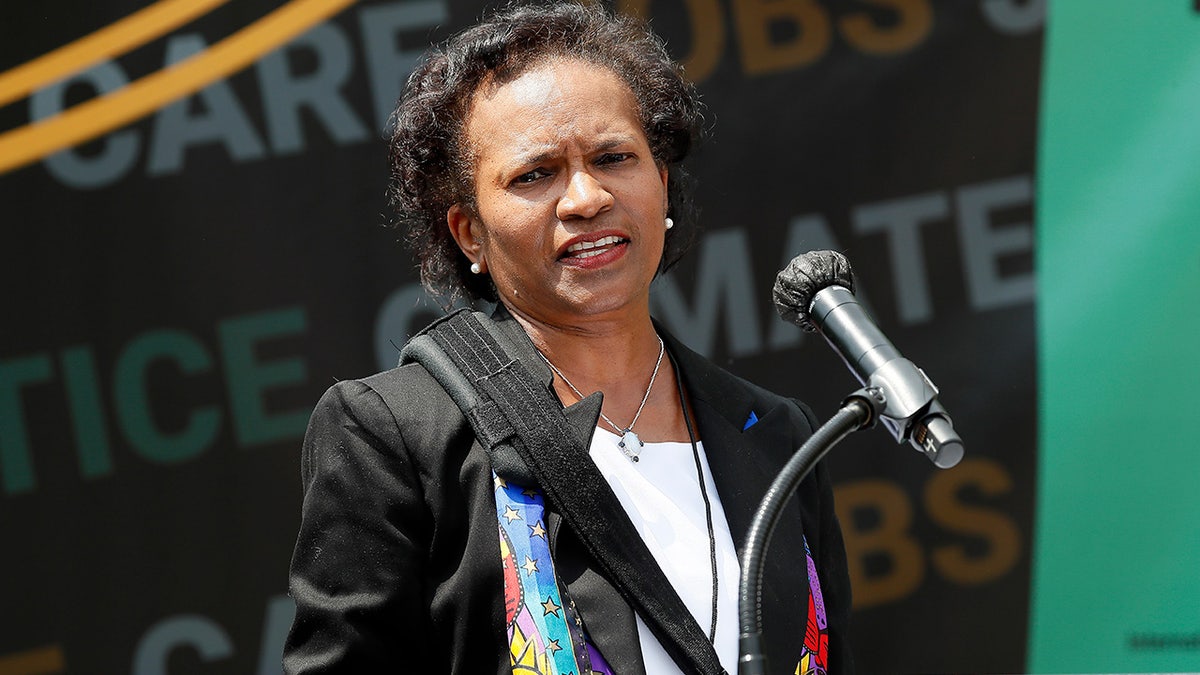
point(405, 382)
point(406, 401)
point(396, 388)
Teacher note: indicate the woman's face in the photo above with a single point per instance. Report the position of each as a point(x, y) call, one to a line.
point(569, 201)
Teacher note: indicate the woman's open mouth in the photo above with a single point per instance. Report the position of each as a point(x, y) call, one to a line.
point(584, 250)
point(595, 250)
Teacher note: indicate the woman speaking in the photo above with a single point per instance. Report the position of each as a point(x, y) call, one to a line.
point(535, 164)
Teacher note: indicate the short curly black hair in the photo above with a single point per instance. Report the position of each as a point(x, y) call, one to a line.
point(429, 160)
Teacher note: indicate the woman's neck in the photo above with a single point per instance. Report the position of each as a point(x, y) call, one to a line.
point(599, 351)
point(615, 353)
point(618, 355)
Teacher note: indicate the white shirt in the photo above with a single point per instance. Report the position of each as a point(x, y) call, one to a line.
point(661, 494)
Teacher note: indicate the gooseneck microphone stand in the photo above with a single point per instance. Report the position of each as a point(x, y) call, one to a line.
point(861, 410)
point(816, 291)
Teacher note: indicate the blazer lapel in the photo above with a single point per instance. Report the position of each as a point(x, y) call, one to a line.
point(744, 439)
point(748, 436)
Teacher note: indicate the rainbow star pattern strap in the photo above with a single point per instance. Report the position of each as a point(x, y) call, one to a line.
point(814, 655)
point(545, 633)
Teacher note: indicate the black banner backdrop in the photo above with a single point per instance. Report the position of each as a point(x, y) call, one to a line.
point(179, 290)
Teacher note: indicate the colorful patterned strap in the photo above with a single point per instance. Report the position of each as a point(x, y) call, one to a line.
point(545, 633)
point(814, 655)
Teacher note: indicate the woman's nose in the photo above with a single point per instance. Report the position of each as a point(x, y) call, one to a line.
point(585, 197)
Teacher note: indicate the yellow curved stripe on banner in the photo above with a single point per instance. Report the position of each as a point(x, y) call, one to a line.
point(41, 661)
point(100, 115)
point(114, 39)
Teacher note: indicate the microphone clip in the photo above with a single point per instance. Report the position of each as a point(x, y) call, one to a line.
point(873, 400)
point(912, 413)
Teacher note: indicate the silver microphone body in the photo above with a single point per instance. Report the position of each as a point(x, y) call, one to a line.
point(816, 292)
point(912, 412)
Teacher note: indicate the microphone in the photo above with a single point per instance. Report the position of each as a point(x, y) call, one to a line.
point(816, 292)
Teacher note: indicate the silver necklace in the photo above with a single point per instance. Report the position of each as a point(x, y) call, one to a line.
point(631, 451)
point(630, 444)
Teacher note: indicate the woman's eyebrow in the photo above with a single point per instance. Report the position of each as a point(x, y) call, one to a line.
point(537, 156)
point(533, 158)
point(614, 142)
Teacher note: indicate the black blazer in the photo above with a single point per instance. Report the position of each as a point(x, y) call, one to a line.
point(397, 564)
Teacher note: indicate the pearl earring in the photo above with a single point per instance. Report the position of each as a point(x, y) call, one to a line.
point(475, 268)
point(670, 223)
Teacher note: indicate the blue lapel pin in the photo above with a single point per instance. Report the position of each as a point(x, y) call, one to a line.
point(750, 421)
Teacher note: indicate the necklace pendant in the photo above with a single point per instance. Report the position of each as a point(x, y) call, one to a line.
point(630, 444)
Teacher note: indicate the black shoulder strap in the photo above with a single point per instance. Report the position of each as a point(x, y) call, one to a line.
point(525, 431)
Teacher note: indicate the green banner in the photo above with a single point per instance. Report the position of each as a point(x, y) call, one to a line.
point(1116, 587)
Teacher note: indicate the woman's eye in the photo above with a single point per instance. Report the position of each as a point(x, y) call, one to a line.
point(613, 157)
point(531, 176)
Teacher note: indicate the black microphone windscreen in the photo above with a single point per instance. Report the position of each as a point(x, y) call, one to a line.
point(803, 278)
